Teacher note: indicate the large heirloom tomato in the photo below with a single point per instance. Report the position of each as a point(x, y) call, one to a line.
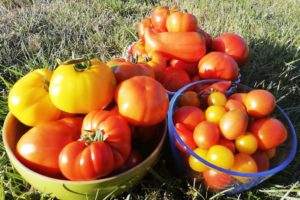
point(217, 65)
point(181, 22)
point(105, 146)
point(234, 45)
point(142, 100)
point(29, 100)
point(39, 148)
point(80, 86)
point(174, 79)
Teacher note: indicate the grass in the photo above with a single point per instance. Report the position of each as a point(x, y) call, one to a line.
point(34, 34)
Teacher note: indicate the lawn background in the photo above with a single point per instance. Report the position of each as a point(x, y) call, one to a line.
point(34, 34)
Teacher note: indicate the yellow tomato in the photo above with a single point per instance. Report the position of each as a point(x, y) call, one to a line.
point(246, 143)
point(220, 156)
point(80, 86)
point(216, 98)
point(214, 113)
point(29, 100)
point(196, 164)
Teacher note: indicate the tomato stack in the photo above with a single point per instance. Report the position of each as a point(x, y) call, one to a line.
point(233, 131)
point(82, 125)
point(179, 51)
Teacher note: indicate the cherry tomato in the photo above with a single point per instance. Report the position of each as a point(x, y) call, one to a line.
point(262, 160)
point(271, 153)
point(227, 143)
point(186, 135)
point(269, 132)
point(181, 22)
point(216, 98)
point(244, 163)
point(220, 156)
point(232, 44)
point(259, 103)
point(174, 79)
point(238, 96)
point(206, 134)
point(190, 116)
point(217, 65)
point(189, 98)
point(233, 124)
point(196, 164)
point(233, 104)
point(214, 113)
point(246, 143)
point(216, 180)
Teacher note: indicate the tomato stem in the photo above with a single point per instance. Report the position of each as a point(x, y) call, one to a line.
point(92, 136)
point(46, 84)
point(80, 64)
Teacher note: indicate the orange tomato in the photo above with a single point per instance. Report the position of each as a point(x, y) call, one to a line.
point(216, 180)
point(159, 17)
point(206, 134)
point(174, 79)
point(233, 104)
point(142, 101)
point(190, 116)
point(190, 68)
point(181, 22)
point(244, 163)
point(239, 97)
point(189, 98)
point(142, 25)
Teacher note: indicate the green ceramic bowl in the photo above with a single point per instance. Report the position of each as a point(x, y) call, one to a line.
point(64, 189)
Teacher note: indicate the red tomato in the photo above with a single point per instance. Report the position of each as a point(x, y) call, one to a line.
point(259, 103)
point(190, 116)
point(243, 163)
point(221, 86)
point(208, 39)
point(142, 101)
point(217, 65)
point(190, 68)
point(104, 147)
point(174, 79)
point(159, 17)
point(232, 44)
point(216, 180)
point(186, 135)
point(233, 124)
point(227, 143)
point(142, 25)
point(133, 160)
point(239, 97)
point(262, 161)
point(181, 22)
point(233, 104)
point(39, 147)
point(269, 132)
point(206, 134)
point(271, 153)
point(189, 98)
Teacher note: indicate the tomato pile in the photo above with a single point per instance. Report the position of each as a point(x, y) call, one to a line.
point(83, 124)
point(179, 51)
point(233, 131)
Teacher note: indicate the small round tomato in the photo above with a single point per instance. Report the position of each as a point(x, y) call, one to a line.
point(262, 160)
point(174, 79)
point(216, 180)
point(186, 135)
point(271, 153)
point(217, 65)
point(190, 116)
point(239, 97)
point(142, 25)
point(142, 101)
point(220, 156)
point(259, 103)
point(233, 124)
point(214, 113)
point(190, 68)
point(196, 164)
point(244, 163)
point(159, 17)
point(208, 39)
point(232, 44)
point(269, 132)
point(227, 143)
point(246, 143)
point(189, 98)
point(181, 22)
point(216, 98)
point(206, 134)
point(232, 104)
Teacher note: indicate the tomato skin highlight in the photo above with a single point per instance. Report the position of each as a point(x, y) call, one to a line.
point(206, 134)
point(39, 147)
point(269, 132)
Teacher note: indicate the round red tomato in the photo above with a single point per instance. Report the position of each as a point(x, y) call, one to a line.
point(227, 143)
point(217, 65)
point(216, 180)
point(190, 68)
point(189, 98)
point(39, 147)
point(269, 132)
point(262, 160)
point(259, 103)
point(159, 17)
point(232, 44)
point(206, 134)
point(174, 79)
point(104, 147)
point(181, 22)
point(142, 101)
point(190, 116)
point(186, 135)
